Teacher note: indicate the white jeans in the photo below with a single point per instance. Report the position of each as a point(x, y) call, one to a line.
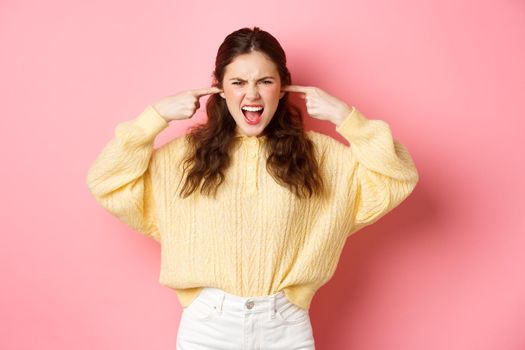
point(221, 321)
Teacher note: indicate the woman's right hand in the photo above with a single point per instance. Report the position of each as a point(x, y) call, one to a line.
point(183, 105)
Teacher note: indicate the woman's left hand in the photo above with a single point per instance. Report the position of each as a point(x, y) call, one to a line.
point(320, 104)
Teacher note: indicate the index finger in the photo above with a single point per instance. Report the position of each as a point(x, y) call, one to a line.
point(206, 91)
point(296, 88)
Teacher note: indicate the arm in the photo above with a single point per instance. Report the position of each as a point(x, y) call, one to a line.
point(382, 172)
point(120, 178)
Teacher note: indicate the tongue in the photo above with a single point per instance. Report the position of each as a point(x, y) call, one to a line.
point(252, 115)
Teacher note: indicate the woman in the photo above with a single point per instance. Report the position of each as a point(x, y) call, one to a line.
point(251, 210)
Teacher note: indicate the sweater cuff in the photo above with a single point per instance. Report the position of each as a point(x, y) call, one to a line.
point(151, 121)
point(351, 123)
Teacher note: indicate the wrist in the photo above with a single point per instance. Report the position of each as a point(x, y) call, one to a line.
point(156, 109)
point(346, 110)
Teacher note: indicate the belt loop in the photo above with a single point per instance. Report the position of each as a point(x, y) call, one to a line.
point(273, 308)
point(221, 301)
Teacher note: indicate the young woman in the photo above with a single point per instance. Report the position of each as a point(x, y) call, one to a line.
point(251, 211)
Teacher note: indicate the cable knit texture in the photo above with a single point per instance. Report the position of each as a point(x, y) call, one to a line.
point(256, 238)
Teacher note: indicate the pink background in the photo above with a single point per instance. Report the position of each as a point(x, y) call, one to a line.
point(442, 271)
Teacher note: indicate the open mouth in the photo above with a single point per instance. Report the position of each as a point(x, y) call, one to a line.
point(252, 114)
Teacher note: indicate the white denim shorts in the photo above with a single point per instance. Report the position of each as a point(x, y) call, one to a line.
point(216, 320)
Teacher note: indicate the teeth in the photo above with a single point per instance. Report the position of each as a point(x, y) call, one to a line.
point(252, 109)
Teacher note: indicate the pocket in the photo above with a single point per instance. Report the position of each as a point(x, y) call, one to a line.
point(292, 314)
point(199, 310)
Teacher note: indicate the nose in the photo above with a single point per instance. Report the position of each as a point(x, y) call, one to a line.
point(252, 92)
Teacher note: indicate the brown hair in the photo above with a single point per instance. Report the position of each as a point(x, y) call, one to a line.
point(291, 157)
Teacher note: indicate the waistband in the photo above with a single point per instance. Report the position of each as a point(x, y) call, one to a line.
point(222, 300)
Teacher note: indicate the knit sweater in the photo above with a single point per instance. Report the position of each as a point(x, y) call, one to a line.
point(255, 238)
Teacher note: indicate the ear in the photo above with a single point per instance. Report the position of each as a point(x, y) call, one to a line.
point(282, 94)
point(214, 82)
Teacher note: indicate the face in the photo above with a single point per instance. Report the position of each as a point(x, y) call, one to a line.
point(252, 79)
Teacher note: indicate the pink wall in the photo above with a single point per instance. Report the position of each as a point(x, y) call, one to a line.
point(442, 271)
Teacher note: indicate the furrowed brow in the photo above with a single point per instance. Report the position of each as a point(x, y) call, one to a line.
point(267, 77)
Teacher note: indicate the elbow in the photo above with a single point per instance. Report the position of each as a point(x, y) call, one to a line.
point(413, 180)
point(90, 183)
point(402, 190)
point(93, 186)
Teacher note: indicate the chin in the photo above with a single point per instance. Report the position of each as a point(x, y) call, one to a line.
point(251, 130)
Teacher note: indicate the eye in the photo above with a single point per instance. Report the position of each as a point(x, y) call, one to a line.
point(237, 83)
point(267, 82)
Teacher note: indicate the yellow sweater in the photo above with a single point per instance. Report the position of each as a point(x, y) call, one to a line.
point(255, 238)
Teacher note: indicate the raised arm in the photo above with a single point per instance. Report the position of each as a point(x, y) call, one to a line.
point(120, 178)
point(380, 169)
point(377, 169)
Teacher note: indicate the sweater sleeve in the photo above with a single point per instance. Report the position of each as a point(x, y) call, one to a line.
point(381, 171)
point(120, 178)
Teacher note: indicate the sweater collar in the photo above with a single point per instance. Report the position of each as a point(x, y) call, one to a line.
point(246, 138)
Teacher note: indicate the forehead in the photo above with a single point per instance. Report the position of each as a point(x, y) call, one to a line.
point(251, 65)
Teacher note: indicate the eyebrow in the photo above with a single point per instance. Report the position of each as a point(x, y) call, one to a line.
point(267, 77)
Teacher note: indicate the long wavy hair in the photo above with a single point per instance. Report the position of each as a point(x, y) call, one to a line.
point(290, 154)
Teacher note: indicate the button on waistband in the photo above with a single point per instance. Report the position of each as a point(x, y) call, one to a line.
point(249, 304)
